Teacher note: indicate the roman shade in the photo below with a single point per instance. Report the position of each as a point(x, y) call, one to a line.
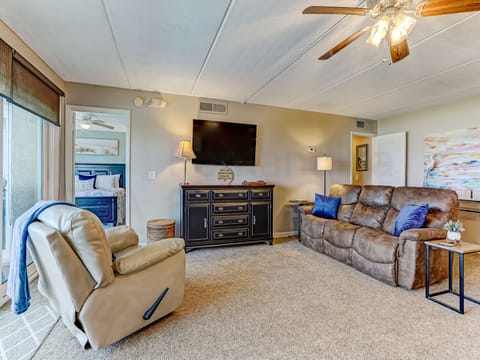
point(27, 87)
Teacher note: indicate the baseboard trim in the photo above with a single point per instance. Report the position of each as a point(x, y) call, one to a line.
point(285, 234)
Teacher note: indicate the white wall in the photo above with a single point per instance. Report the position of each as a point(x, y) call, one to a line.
point(458, 115)
point(282, 158)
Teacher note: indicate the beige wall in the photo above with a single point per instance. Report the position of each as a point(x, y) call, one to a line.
point(458, 115)
point(282, 157)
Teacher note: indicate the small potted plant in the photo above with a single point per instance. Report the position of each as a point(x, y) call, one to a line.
point(455, 229)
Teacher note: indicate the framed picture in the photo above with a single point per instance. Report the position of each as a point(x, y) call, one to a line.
point(362, 157)
point(90, 146)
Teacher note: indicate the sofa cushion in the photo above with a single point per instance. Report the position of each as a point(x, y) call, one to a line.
point(349, 195)
point(375, 245)
point(410, 217)
point(372, 206)
point(326, 206)
point(339, 233)
point(442, 205)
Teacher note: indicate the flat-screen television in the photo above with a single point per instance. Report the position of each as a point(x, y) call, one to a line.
point(224, 143)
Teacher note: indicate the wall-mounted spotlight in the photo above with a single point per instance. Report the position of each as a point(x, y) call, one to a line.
point(150, 102)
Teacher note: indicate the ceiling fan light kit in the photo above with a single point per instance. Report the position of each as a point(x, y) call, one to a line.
point(393, 21)
point(87, 121)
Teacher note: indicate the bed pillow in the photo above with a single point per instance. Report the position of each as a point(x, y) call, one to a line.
point(107, 181)
point(84, 185)
point(87, 177)
point(410, 217)
point(326, 206)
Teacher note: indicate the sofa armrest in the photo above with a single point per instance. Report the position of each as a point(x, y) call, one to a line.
point(140, 257)
point(305, 210)
point(424, 234)
point(121, 237)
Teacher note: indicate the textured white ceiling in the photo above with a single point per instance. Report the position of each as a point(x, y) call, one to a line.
point(262, 52)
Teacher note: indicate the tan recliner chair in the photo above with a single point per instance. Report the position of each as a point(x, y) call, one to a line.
point(99, 299)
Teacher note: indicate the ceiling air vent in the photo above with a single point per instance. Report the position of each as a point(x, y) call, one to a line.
point(213, 108)
point(366, 124)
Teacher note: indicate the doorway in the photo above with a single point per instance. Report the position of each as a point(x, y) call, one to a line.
point(361, 158)
point(98, 162)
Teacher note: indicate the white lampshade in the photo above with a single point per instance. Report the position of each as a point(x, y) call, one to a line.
point(185, 150)
point(324, 163)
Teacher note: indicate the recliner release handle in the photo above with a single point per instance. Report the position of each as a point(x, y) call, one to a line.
point(148, 314)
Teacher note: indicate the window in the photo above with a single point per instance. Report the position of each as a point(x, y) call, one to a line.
point(22, 183)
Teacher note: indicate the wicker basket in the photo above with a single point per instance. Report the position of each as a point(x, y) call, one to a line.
point(159, 229)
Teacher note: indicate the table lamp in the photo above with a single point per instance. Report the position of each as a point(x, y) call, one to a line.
point(185, 152)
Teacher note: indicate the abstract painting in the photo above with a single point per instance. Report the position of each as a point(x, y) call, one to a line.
point(452, 160)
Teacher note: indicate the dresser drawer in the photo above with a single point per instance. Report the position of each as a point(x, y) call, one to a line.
point(261, 194)
point(197, 195)
point(239, 233)
point(229, 195)
point(229, 208)
point(219, 221)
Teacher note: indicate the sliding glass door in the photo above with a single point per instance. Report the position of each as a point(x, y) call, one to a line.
point(22, 172)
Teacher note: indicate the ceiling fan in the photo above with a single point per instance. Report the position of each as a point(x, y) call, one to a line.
point(88, 120)
point(393, 20)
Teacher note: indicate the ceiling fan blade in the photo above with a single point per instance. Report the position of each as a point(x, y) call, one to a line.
point(344, 43)
point(336, 10)
point(444, 7)
point(102, 123)
point(399, 52)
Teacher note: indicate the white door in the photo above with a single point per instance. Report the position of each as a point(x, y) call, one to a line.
point(389, 159)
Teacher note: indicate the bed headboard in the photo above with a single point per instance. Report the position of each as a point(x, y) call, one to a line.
point(102, 169)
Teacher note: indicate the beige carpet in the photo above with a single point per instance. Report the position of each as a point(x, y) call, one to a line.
point(289, 302)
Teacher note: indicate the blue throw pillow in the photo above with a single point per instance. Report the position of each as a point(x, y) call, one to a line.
point(410, 217)
point(326, 206)
point(88, 177)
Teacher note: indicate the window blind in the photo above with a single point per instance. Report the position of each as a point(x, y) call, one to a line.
point(27, 87)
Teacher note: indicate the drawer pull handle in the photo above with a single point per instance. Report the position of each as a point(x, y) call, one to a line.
point(240, 208)
point(240, 220)
point(220, 221)
point(240, 195)
point(220, 195)
point(260, 194)
point(240, 234)
point(254, 220)
point(205, 223)
point(220, 209)
point(197, 195)
point(220, 235)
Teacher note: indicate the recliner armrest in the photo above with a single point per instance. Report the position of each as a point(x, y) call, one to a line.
point(140, 257)
point(121, 237)
point(423, 234)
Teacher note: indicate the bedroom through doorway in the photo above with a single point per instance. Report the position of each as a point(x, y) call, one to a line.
point(100, 162)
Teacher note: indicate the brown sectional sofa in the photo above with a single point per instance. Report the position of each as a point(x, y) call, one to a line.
point(362, 234)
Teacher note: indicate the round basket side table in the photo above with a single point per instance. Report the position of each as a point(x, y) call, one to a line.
point(158, 229)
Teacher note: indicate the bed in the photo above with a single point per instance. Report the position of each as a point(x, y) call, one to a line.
point(108, 203)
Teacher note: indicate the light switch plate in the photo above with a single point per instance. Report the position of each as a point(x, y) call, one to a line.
point(152, 175)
